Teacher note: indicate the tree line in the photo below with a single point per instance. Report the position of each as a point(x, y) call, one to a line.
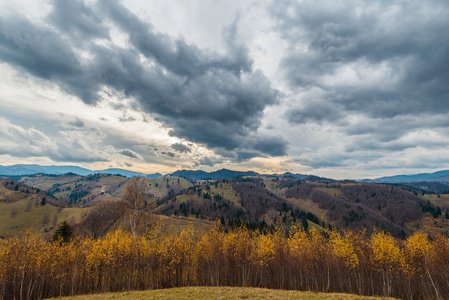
point(350, 262)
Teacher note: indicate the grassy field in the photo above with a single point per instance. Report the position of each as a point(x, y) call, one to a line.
point(442, 200)
point(158, 186)
point(45, 182)
point(222, 293)
point(68, 183)
point(226, 191)
point(272, 186)
point(309, 205)
point(4, 192)
point(330, 191)
point(32, 219)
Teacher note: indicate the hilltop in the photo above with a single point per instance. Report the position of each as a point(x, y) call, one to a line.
point(222, 293)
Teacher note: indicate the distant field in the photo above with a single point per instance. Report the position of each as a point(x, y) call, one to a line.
point(309, 205)
point(226, 191)
point(271, 185)
point(442, 200)
point(98, 188)
point(4, 192)
point(32, 219)
point(158, 186)
point(330, 191)
point(222, 293)
point(195, 197)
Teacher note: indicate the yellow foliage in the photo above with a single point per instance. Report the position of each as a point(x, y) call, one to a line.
point(387, 255)
point(344, 249)
point(417, 250)
point(32, 268)
point(264, 250)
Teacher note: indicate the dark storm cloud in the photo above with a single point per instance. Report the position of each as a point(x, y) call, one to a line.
point(208, 161)
point(202, 96)
point(405, 40)
point(129, 153)
point(42, 52)
point(272, 145)
point(177, 55)
point(243, 155)
point(377, 72)
point(315, 111)
point(39, 51)
point(181, 148)
point(78, 20)
point(169, 154)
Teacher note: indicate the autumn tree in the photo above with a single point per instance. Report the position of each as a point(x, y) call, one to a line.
point(100, 219)
point(136, 205)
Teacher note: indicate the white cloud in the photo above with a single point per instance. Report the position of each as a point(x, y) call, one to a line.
point(22, 142)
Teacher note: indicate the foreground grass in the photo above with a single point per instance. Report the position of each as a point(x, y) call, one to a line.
point(222, 293)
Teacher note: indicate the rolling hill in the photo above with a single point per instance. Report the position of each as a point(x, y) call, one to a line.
point(261, 202)
point(24, 208)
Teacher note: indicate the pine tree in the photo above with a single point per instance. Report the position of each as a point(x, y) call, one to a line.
point(64, 232)
point(305, 224)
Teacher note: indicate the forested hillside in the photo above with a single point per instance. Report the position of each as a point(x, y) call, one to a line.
point(260, 202)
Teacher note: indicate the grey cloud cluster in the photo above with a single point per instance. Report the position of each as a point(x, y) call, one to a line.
point(181, 148)
point(404, 40)
point(77, 20)
point(382, 61)
point(202, 96)
point(130, 153)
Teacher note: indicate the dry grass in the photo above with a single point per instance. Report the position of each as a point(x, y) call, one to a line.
point(309, 205)
point(226, 191)
point(32, 219)
point(222, 293)
point(442, 200)
point(330, 191)
point(161, 189)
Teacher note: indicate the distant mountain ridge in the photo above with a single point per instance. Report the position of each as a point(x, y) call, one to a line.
point(24, 169)
point(127, 173)
point(215, 175)
point(31, 169)
point(439, 176)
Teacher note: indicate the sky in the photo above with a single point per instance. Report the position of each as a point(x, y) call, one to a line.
point(340, 89)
